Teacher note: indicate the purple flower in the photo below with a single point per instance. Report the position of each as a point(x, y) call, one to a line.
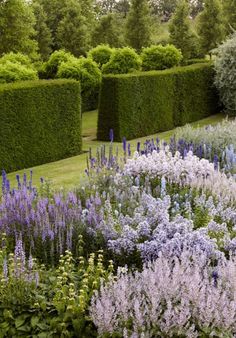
point(111, 135)
point(124, 144)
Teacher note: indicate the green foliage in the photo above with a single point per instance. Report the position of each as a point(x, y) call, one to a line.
point(101, 54)
point(210, 26)
point(72, 33)
point(83, 69)
point(87, 72)
point(163, 8)
point(229, 14)
point(160, 57)
point(138, 33)
point(180, 31)
point(40, 122)
point(50, 303)
point(88, 12)
point(43, 35)
point(225, 80)
point(123, 61)
point(107, 31)
point(50, 68)
point(55, 13)
point(17, 27)
point(16, 58)
point(141, 104)
point(12, 72)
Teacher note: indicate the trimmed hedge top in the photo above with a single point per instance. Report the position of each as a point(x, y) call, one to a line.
point(40, 122)
point(144, 103)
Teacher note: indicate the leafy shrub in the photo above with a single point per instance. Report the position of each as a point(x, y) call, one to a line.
point(225, 79)
point(87, 72)
point(123, 61)
point(50, 68)
point(35, 301)
point(18, 58)
point(11, 72)
point(84, 70)
point(135, 105)
point(101, 54)
point(40, 122)
point(160, 57)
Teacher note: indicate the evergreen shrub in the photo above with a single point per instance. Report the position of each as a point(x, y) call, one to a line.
point(123, 61)
point(160, 57)
point(87, 72)
point(12, 72)
point(142, 104)
point(101, 54)
point(40, 122)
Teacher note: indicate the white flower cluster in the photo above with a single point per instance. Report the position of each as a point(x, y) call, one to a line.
point(189, 171)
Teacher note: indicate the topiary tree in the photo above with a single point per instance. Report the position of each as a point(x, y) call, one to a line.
point(84, 70)
point(101, 54)
point(107, 31)
point(211, 26)
point(87, 72)
point(123, 61)
point(225, 79)
point(180, 30)
point(138, 31)
point(72, 33)
point(160, 57)
point(12, 72)
point(50, 67)
point(42, 32)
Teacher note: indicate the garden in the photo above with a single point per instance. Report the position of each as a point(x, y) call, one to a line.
point(118, 170)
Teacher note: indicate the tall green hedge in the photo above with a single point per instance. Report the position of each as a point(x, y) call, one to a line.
point(40, 122)
point(141, 104)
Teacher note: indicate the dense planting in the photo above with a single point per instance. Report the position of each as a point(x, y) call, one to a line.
point(174, 213)
point(142, 104)
point(40, 122)
point(215, 143)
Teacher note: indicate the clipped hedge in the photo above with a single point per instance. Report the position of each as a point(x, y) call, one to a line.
point(40, 122)
point(141, 104)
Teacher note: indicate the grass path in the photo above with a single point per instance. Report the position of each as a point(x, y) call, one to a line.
point(70, 172)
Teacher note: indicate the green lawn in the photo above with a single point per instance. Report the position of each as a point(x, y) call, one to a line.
point(70, 172)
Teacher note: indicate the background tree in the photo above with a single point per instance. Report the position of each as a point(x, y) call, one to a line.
point(88, 11)
point(72, 33)
point(17, 27)
point(163, 8)
point(180, 30)
point(196, 6)
point(104, 7)
point(210, 26)
point(122, 7)
point(108, 31)
point(138, 32)
point(55, 10)
point(43, 34)
point(229, 8)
